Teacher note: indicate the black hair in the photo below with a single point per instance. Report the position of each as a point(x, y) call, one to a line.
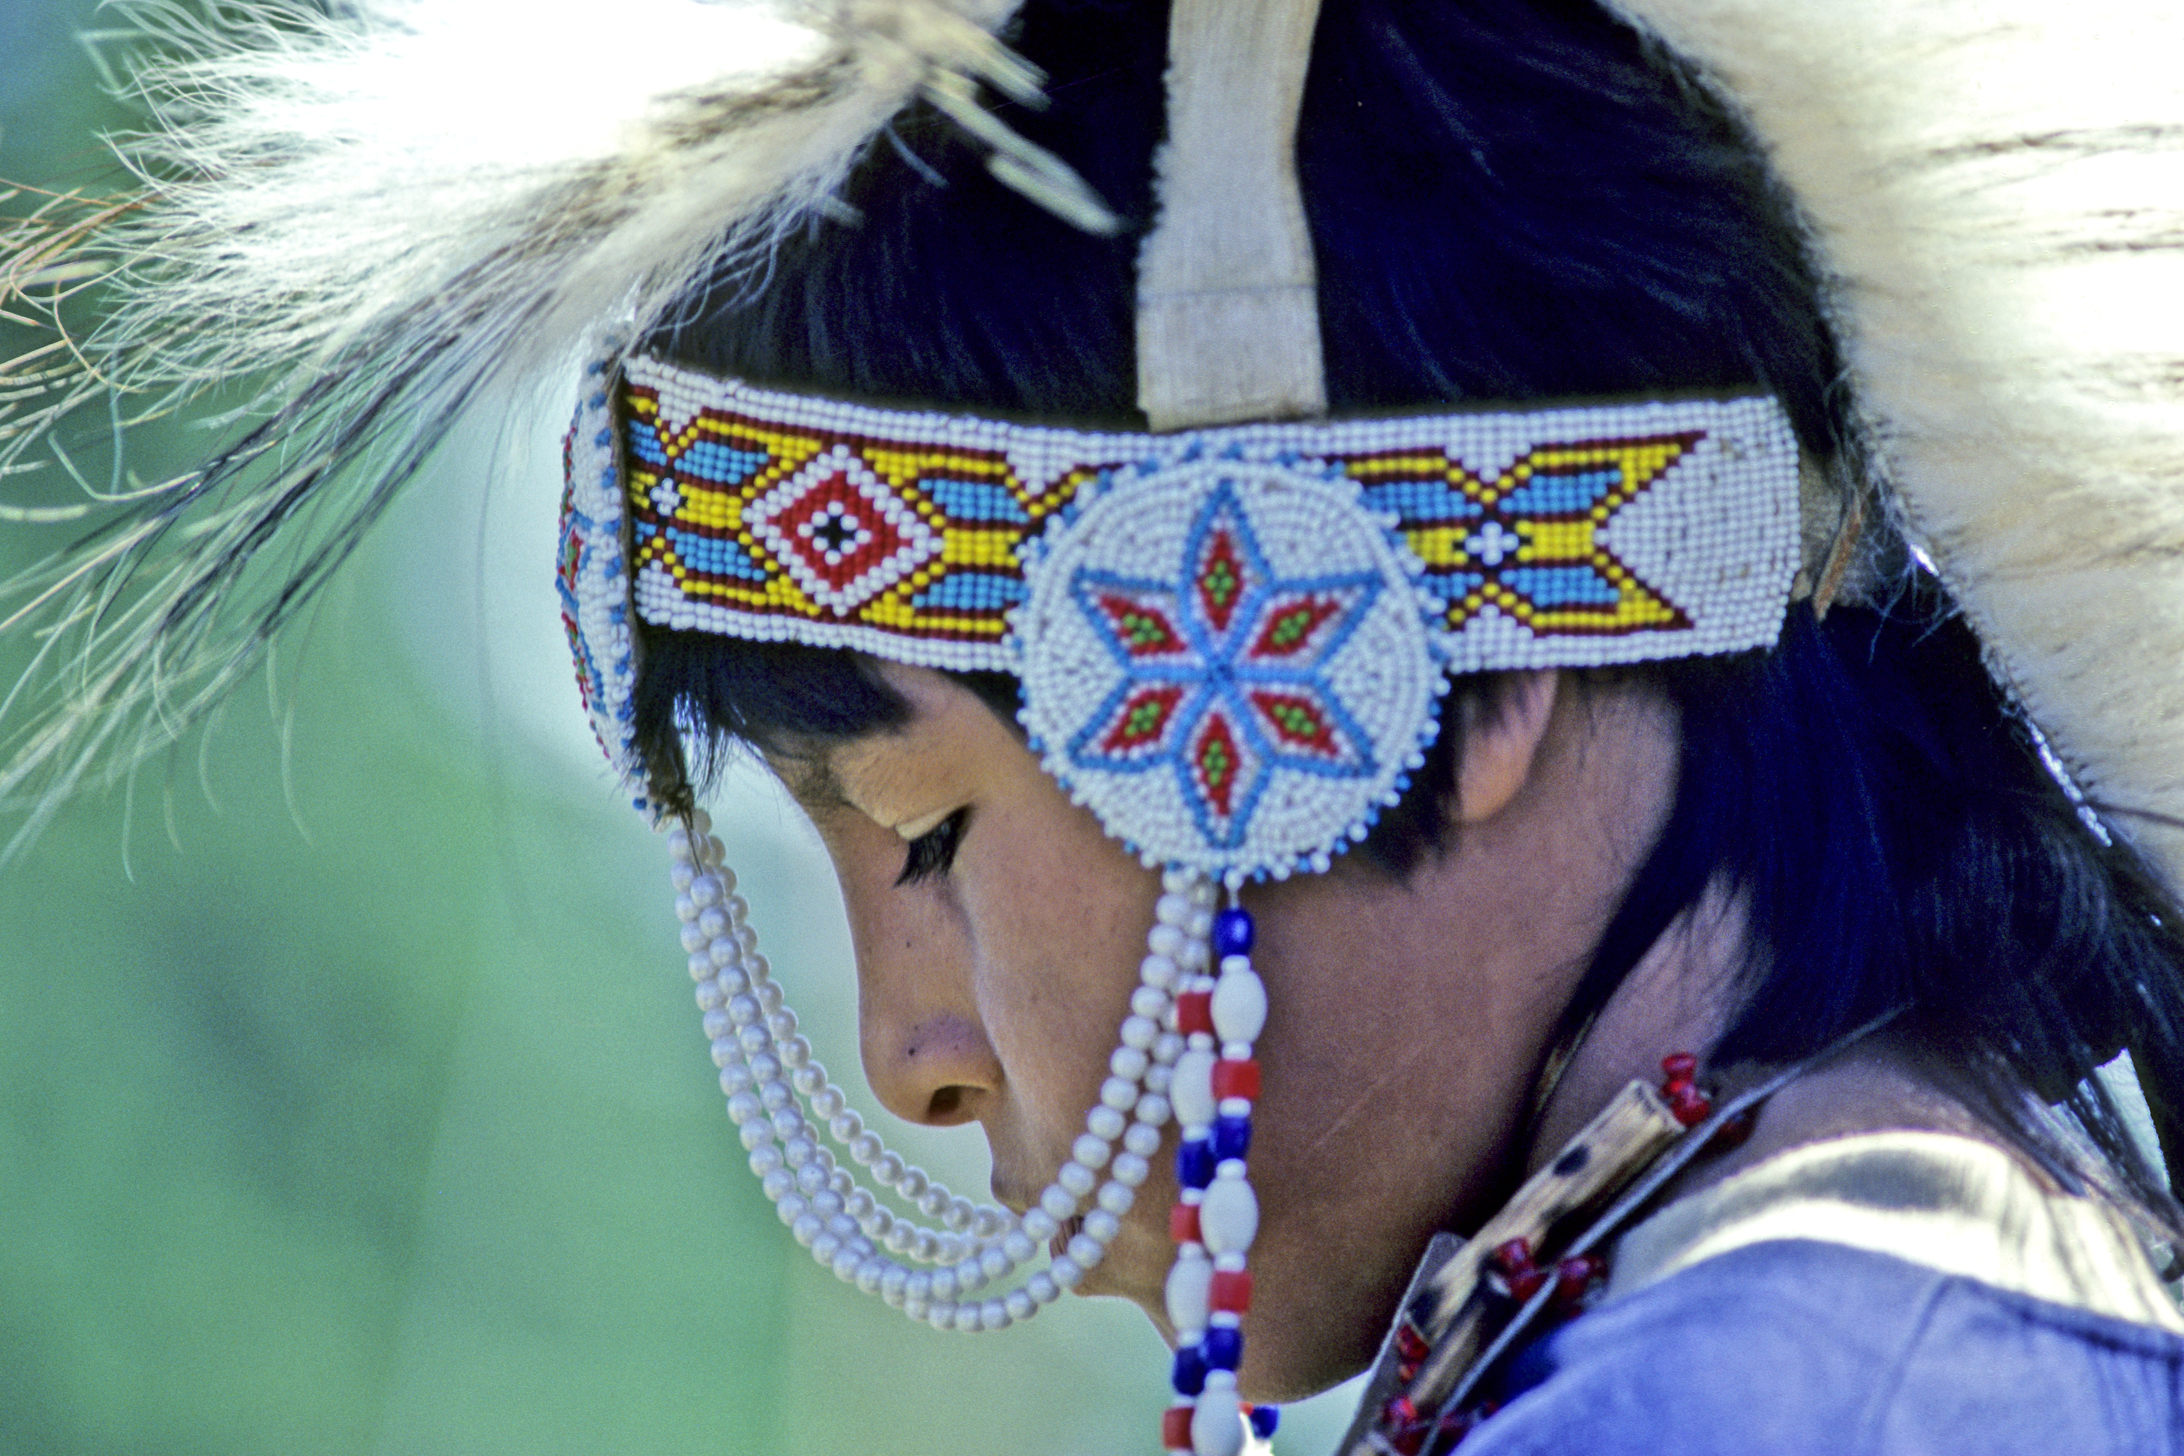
point(1512, 200)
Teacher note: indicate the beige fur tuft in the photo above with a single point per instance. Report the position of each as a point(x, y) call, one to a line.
point(1995, 191)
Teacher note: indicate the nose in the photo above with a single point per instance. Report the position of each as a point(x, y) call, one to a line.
point(925, 1049)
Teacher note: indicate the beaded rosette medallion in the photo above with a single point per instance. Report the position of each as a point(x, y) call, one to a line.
point(1232, 644)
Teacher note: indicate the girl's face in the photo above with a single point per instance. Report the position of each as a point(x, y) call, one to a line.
point(1406, 1019)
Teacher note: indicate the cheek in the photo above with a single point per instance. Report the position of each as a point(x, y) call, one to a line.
point(1059, 915)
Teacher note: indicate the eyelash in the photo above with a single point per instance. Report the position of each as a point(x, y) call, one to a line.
point(932, 852)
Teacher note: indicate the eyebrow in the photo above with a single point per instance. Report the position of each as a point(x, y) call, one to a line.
point(810, 779)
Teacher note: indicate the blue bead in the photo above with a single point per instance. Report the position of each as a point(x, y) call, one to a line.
point(1189, 1374)
point(1265, 1421)
point(1223, 1347)
point(1232, 933)
point(1194, 1162)
point(1231, 1138)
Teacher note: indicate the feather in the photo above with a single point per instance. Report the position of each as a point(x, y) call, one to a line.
point(375, 220)
point(1995, 193)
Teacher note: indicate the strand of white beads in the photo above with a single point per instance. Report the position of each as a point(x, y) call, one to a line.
point(767, 1068)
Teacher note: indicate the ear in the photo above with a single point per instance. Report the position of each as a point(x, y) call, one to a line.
point(1502, 733)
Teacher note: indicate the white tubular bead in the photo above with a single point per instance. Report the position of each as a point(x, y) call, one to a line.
point(1129, 1063)
point(1122, 1095)
point(1217, 1428)
point(1086, 1251)
point(1190, 1290)
point(1143, 1138)
point(1130, 1169)
point(1239, 1005)
point(1090, 1151)
point(1192, 1090)
point(1229, 1216)
point(1067, 1272)
point(1159, 972)
point(1057, 1204)
point(1102, 1226)
point(1105, 1123)
point(1018, 1246)
point(1116, 1197)
point(1043, 1287)
point(1040, 1225)
point(1019, 1304)
point(1077, 1180)
point(1140, 1032)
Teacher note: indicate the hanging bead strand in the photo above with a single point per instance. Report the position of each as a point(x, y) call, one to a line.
point(1216, 1215)
point(767, 1070)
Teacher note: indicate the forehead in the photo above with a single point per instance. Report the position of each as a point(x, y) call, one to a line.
point(950, 739)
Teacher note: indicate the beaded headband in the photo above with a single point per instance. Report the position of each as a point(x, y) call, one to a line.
point(1230, 639)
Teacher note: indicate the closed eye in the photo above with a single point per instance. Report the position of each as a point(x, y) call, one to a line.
point(932, 852)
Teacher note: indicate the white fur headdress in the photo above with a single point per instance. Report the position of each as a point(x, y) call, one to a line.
point(372, 226)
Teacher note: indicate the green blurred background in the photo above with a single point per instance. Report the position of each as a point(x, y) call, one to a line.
point(366, 1111)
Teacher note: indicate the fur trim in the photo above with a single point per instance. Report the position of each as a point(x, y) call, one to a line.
point(1995, 190)
point(378, 218)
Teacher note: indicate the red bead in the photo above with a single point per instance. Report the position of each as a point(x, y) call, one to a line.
point(1410, 1345)
point(1514, 1257)
point(1194, 1012)
point(1183, 1224)
point(1688, 1105)
point(1732, 1133)
point(1175, 1428)
point(1232, 1291)
point(1233, 1078)
point(1680, 1066)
